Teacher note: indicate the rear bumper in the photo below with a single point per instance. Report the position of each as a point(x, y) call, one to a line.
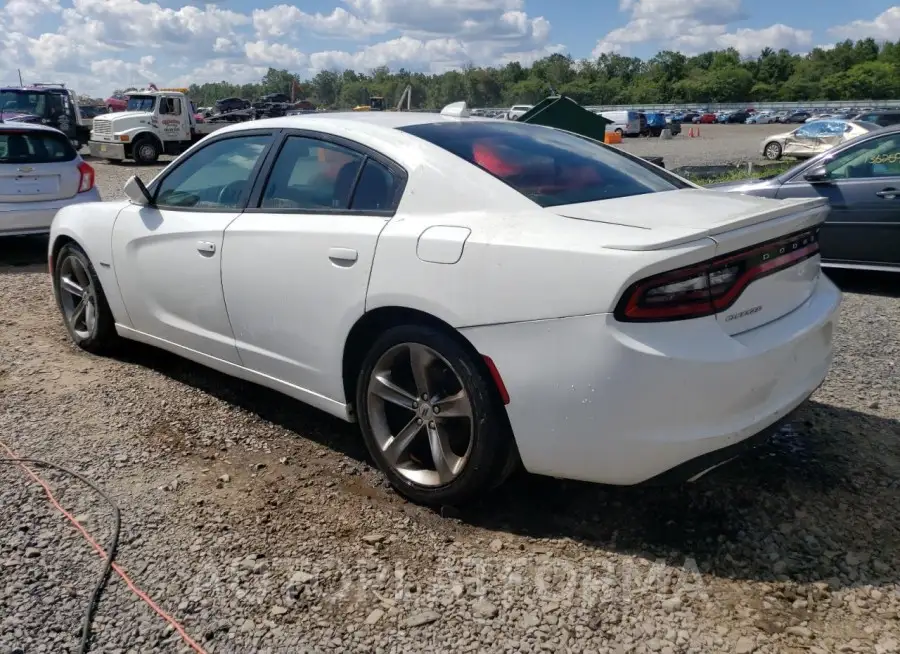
point(602, 401)
point(106, 150)
point(25, 218)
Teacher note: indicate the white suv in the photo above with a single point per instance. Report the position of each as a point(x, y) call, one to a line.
point(40, 172)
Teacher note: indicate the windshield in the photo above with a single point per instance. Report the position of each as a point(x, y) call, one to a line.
point(30, 102)
point(549, 166)
point(141, 102)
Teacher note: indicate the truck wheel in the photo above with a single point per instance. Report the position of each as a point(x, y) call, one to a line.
point(146, 151)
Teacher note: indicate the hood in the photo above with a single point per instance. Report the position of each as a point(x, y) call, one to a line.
point(125, 115)
point(760, 187)
point(19, 117)
point(778, 137)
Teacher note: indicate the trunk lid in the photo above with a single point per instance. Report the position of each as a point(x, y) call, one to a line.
point(739, 225)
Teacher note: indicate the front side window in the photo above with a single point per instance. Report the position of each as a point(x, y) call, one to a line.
point(879, 157)
point(549, 166)
point(310, 174)
point(171, 106)
point(216, 176)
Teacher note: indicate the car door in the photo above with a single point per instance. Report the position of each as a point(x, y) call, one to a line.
point(802, 141)
point(296, 266)
point(167, 255)
point(831, 133)
point(863, 188)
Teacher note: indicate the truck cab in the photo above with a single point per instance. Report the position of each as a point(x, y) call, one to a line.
point(155, 122)
point(45, 104)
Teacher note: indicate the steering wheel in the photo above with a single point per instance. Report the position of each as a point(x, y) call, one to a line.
point(231, 193)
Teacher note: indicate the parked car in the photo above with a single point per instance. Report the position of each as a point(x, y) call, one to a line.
point(812, 138)
point(625, 123)
point(861, 181)
point(89, 112)
point(231, 104)
point(797, 117)
point(40, 172)
point(452, 390)
point(705, 118)
point(885, 117)
point(517, 111)
point(737, 117)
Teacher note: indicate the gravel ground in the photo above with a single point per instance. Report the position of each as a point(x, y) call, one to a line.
point(259, 524)
point(716, 145)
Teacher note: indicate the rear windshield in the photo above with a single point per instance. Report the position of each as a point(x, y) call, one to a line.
point(549, 166)
point(20, 147)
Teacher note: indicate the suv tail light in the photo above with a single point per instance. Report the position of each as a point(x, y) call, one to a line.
point(87, 177)
point(713, 286)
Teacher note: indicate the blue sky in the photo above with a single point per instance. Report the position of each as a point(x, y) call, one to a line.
point(99, 45)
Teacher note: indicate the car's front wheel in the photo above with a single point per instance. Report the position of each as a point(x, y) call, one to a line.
point(80, 297)
point(773, 151)
point(430, 418)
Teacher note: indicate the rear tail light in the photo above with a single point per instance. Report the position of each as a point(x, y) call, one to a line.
point(87, 177)
point(713, 286)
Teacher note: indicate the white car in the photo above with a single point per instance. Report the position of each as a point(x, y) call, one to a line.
point(40, 172)
point(475, 293)
point(517, 111)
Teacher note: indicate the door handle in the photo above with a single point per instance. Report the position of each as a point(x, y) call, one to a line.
point(888, 193)
point(206, 248)
point(343, 257)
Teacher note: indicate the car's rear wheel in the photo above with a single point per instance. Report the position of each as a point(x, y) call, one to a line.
point(80, 297)
point(430, 418)
point(620, 132)
point(773, 151)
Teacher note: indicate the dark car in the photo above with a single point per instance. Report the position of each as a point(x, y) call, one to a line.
point(797, 117)
point(861, 180)
point(884, 117)
point(738, 117)
point(231, 104)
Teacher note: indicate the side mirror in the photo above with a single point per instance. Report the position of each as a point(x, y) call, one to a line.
point(816, 174)
point(137, 192)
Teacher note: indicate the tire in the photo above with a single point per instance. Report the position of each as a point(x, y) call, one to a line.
point(146, 151)
point(94, 329)
point(477, 442)
point(772, 151)
point(620, 132)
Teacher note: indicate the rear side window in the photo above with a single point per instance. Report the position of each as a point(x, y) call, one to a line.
point(19, 147)
point(549, 166)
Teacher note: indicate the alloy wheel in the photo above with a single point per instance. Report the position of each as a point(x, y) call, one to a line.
point(78, 297)
point(420, 414)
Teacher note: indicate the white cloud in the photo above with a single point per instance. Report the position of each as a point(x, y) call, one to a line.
point(283, 20)
point(885, 26)
point(693, 26)
point(99, 45)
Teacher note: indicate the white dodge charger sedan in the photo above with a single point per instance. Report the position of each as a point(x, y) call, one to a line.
point(477, 294)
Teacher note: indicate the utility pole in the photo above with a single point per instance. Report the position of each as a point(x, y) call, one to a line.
point(19, 70)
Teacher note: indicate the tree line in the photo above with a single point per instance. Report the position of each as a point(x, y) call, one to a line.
point(851, 70)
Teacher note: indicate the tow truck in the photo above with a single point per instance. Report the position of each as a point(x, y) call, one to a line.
point(155, 122)
point(46, 103)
